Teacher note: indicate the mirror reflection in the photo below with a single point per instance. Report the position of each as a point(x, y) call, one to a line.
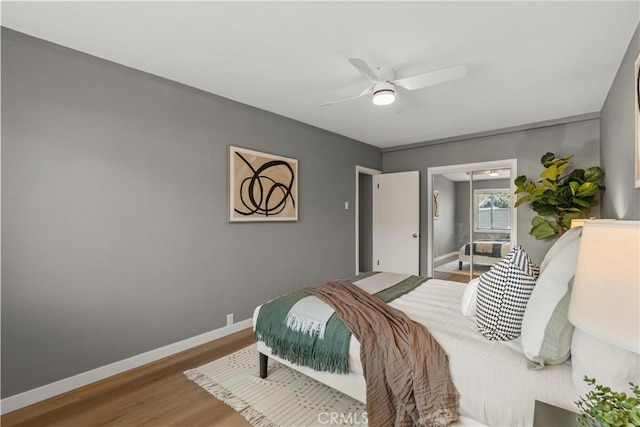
point(471, 222)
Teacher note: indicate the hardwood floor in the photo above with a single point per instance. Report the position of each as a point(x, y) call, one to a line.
point(157, 394)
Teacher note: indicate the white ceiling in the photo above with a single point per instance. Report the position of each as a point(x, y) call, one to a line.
point(527, 61)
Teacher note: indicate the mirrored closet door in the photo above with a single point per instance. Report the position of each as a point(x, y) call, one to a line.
point(489, 220)
point(472, 221)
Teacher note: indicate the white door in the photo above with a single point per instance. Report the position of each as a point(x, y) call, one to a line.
point(396, 222)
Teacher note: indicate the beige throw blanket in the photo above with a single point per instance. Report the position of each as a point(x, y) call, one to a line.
point(405, 369)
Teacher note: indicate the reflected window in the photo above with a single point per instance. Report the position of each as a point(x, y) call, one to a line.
point(492, 210)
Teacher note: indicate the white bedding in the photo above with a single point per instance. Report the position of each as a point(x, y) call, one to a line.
point(496, 387)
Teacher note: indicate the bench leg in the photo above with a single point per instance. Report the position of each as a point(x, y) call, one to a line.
point(263, 365)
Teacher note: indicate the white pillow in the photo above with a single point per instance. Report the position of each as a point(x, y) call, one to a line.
point(470, 297)
point(556, 248)
point(611, 366)
point(546, 331)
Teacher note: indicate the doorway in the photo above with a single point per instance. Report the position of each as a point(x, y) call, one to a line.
point(364, 218)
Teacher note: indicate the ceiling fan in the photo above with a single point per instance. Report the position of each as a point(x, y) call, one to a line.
point(384, 83)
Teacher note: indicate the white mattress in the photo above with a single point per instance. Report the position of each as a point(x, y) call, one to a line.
point(496, 387)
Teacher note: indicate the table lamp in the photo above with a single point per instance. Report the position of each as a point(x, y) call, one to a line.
point(605, 300)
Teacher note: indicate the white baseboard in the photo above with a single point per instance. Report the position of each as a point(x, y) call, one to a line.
point(45, 392)
point(441, 257)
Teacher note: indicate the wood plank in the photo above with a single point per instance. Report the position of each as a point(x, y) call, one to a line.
point(156, 394)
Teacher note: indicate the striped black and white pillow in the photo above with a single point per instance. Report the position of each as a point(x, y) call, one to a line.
point(503, 293)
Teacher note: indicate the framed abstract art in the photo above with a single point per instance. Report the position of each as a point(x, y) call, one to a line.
point(637, 124)
point(262, 187)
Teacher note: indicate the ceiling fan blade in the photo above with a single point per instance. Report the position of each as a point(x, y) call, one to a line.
point(367, 91)
point(365, 69)
point(431, 79)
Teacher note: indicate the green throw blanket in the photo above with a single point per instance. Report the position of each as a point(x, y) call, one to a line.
point(330, 354)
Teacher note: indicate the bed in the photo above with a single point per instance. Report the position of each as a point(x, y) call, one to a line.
point(498, 381)
point(436, 304)
point(484, 251)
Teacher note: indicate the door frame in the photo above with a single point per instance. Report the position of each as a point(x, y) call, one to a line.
point(511, 164)
point(364, 171)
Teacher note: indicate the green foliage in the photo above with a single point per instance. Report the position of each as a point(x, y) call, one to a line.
point(603, 407)
point(496, 200)
point(560, 197)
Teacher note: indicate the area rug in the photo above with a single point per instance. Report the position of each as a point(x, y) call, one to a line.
point(286, 398)
point(452, 268)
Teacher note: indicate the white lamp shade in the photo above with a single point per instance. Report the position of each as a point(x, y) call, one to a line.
point(384, 93)
point(384, 97)
point(605, 300)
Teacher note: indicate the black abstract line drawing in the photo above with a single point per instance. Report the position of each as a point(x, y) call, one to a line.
point(260, 194)
point(263, 187)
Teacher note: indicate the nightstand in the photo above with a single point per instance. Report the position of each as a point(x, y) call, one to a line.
point(546, 415)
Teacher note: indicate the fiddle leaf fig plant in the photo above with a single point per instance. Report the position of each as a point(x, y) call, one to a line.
point(559, 196)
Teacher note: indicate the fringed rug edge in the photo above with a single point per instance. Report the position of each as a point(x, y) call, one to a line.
point(252, 415)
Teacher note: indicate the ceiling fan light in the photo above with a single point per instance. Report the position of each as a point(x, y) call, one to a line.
point(384, 97)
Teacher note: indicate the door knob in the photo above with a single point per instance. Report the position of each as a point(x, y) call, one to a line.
point(415, 235)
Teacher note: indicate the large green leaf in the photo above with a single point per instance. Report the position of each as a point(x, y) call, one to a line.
point(547, 159)
point(558, 200)
point(562, 167)
point(519, 181)
point(573, 215)
point(534, 188)
point(542, 229)
point(577, 175)
point(549, 184)
point(581, 202)
point(537, 220)
point(519, 190)
point(551, 173)
point(559, 160)
point(593, 174)
point(524, 199)
point(568, 217)
point(587, 189)
point(543, 208)
point(564, 192)
point(574, 185)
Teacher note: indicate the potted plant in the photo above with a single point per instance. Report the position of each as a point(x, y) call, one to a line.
point(603, 407)
point(559, 196)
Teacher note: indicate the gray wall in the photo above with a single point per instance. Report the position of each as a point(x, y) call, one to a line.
point(621, 200)
point(463, 207)
point(445, 227)
point(580, 138)
point(115, 235)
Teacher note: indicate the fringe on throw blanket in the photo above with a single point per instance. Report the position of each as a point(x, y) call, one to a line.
point(305, 325)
